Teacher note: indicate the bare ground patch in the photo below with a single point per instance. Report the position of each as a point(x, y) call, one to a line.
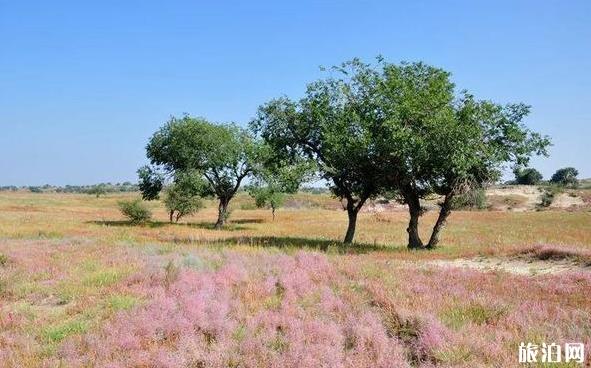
point(537, 260)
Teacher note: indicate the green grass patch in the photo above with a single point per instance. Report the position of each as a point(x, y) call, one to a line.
point(458, 316)
point(122, 302)
point(57, 333)
point(102, 278)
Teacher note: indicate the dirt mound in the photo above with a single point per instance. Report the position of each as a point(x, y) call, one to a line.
point(567, 200)
point(514, 198)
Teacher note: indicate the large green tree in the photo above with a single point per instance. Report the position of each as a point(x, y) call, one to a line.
point(224, 154)
point(432, 140)
point(326, 128)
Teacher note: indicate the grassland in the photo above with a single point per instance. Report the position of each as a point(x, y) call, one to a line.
point(79, 286)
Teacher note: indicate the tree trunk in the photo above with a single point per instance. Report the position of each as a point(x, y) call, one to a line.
point(273, 212)
point(171, 214)
point(441, 220)
point(222, 213)
point(352, 213)
point(414, 209)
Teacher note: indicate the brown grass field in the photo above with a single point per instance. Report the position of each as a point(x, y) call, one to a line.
point(72, 271)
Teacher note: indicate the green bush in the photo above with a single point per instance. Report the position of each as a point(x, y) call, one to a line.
point(474, 199)
point(548, 195)
point(135, 210)
point(3, 259)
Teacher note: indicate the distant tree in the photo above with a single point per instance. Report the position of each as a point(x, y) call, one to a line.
point(325, 127)
point(527, 176)
point(566, 176)
point(222, 153)
point(135, 210)
point(35, 190)
point(98, 190)
point(183, 197)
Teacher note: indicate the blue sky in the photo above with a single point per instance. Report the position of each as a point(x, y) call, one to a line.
point(83, 85)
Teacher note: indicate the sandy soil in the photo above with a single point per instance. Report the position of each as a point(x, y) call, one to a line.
point(513, 265)
point(565, 200)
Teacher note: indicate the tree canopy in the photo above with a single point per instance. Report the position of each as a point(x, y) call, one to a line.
point(401, 128)
point(527, 176)
point(223, 154)
point(325, 127)
point(566, 176)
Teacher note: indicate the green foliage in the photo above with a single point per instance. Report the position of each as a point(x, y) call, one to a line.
point(135, 210)
point(527, 176)
point(275, 177)
point(328, 126)
point(473, 199)
point(223, 154)
point(566, 176)
point(183, 197)
point(399, 128)
point(151, 182)
point(3, 259)
point(549, 193)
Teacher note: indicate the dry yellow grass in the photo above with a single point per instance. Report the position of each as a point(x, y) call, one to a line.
point(30, 216)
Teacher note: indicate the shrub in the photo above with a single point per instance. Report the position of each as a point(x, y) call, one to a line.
point(3, 259)
point(474, 199)
point(549, 194)
point(135, 210)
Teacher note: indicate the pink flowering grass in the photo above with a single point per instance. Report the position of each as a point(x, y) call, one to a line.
point(83, 304)
point(289, 317)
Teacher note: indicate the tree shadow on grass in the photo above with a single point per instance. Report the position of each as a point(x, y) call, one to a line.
point(287, 243)
point(247, 221)
point(123, 223)
point(156, 224)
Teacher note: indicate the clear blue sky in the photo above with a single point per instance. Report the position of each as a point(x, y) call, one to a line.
point(84, 84)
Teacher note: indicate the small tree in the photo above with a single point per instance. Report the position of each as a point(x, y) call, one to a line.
point(183, 197)
point(566, 176)
point(223, 154)
point(98, 190)
point(267, 196)
point(527, 176)
point(135, 210)
point(274, 178)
